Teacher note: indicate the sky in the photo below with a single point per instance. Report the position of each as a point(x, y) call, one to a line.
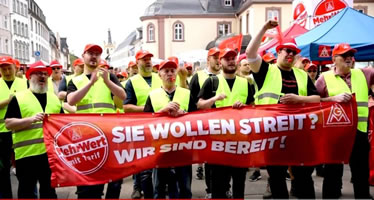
point(88, 21)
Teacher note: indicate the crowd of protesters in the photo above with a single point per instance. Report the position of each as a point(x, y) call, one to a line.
point(175, 88)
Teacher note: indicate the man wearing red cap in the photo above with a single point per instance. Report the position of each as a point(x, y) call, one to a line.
point(24, 117)
point(132, 69)
point(190, 70)
point(54, 81)
point(9, 84)
point(223, 90)
point(282, 83)
point(174, 101)
point(195, 84)
point(95, 91)
point(138, 88)
point(311, 69)
point(338, 85)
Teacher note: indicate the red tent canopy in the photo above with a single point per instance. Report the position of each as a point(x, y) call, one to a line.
point(292, 32)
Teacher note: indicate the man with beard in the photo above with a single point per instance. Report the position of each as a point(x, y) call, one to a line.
point(338, 85)
point(196, 83)
point(223, 90)
point(138, 88)
point(282, 83)
point(174, 101)
point(95, 91)
point(9, 84)
point(24, 117)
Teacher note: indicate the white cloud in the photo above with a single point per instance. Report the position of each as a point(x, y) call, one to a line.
point(87, 21)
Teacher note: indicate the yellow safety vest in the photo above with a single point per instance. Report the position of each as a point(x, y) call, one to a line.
point(202, 76)
point(160, 99)
point(142, 89)
point(271, 89)
point(336, 85)
point(17, 85)
point(98, 98)
point(239, 91)
point(29, 141)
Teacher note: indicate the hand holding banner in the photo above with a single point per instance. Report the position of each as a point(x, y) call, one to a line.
point(86, 149)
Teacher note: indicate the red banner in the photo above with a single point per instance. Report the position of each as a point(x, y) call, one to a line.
point(85, 149)
point(371, 157)
point(232, 43)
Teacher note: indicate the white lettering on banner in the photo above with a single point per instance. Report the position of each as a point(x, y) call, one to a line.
point(246, 147)
point(128, 155)
point(132, 133)
point(88, 145)
point(198, 145)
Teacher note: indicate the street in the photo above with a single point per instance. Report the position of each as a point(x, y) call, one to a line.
point(254, 190)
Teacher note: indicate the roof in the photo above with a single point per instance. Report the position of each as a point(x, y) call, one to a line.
point(191, 7)
point(128, 41)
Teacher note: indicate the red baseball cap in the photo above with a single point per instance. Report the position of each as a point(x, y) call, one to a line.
point(227, 52)
point(168, 63)
point(142, 53)
point(131, 64)
point(342, 48)
point(269, 57)
point(188, 65)
point(174, 59)
point(17, 63)
point(55, 63)
point(157, 66)
point(310, 66)
point(213, 51)
point(103, 63)
point(78, 61)
point(124, 74)
point(93, 47)
point(291, 44)
point(38, 66)
point(6, 60)
point(304, 59)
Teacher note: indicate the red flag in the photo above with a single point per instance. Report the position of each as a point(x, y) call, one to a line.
point(232, 43)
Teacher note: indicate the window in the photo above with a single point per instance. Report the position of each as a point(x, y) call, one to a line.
point(17, 7)
point(361, 9)
point(151, 33)
point(273, 13)
point(247, 23)
point(14, 26)
point(26, 31)
point(32, 49)
point(240, 25)
point(16, 49)
point(6, 46)
point(14, 5)
point(31, 24)
point(227, 2)
point(6, 22)
point(19, 28)
point(23, 29)
point(224, 28)
point(21, 8)
point(26, 11)
point(178, 31)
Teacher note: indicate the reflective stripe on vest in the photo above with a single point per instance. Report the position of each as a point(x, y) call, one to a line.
point(97, 100)
point(202, 76)
point(142, 89)
point(17, 85)
point(336, 85)
point(29, 141)
point(271, 89)
point(160, 99)
point(239, 91)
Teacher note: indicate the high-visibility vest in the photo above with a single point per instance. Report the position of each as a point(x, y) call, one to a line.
point(29, 141)
point(202, 76)
point(98, 98)
point(51, 88)
point(68, 78)
point(239, 91)
point(336, 85)
point(160, 99)
point(142, 89)
point(271, 89)
point(17, 85)
point(123, 83)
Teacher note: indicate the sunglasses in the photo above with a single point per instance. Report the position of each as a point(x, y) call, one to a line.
point(312, 71)
point(348, 54)
point(290, 51)
point(53, 68)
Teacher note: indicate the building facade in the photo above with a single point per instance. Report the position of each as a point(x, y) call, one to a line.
point(5, 33)
point(39, 34)
point(19, 20)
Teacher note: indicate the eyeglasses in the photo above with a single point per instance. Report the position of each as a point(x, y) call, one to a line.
point(312, 71)
point(53, 68)
point(348, 54)
point(290, 51)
